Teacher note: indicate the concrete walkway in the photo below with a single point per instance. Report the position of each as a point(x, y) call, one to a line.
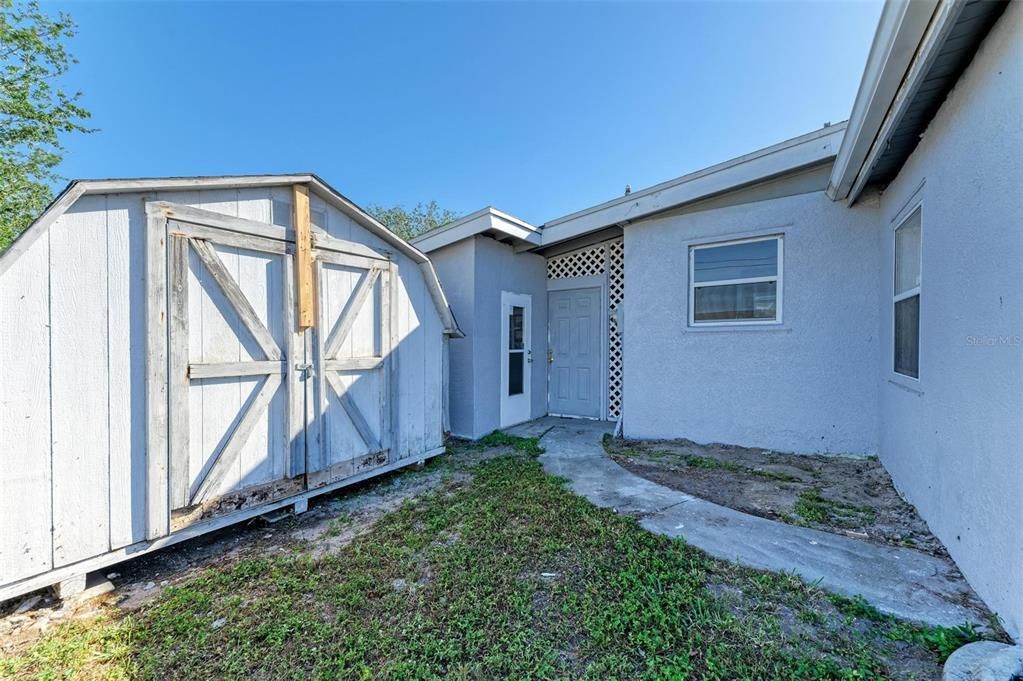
point(902, 582)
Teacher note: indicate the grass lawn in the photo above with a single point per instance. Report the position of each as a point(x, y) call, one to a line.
point(507, 575)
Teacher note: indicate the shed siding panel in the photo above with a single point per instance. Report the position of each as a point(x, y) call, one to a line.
point(81, 433)
point(403, 338)
point(411, 359)
point(126, 221)
point(260, 277)
point(25, 511)
point(433, 367)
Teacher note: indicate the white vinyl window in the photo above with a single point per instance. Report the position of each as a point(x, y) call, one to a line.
point(736, 282)
point(906, 296)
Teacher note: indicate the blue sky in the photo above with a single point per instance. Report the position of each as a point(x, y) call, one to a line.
point(538, 109)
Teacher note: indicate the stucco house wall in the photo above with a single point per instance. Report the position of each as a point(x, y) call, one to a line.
point(807, 385)
point(474, 272)
point(952, 440)
point(499, 268)
point(454, 266)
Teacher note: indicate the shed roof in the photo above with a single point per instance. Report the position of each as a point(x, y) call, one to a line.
point(78, 188)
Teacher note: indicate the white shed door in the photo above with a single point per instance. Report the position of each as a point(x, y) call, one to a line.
point(232, 389)
point(350, 425)
point(256, 409)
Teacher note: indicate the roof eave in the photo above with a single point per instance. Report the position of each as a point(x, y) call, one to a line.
point(897, 66)
point(785, 157)
point(482, 221)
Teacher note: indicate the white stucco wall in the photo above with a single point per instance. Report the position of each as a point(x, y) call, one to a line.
point(952, 441)
point(454, 265)
point(474, 272)
point(808, 386)
point(499, 268)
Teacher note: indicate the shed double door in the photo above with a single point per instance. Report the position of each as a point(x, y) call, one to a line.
point(257, 409)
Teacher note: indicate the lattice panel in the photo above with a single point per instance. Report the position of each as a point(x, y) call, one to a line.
point(606, 258)
point(585, 263)
point(616, 294)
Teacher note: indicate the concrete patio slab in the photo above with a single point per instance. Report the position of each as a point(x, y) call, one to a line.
point(902, 582)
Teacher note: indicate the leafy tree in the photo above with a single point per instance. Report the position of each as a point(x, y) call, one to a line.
point(34, 111)
point(409, 224)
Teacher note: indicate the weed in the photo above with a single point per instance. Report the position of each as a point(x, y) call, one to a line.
point(774, 475)
point(709, 463)
point(857, 607)
point(812, 507)
point(526, 445)
point(942, 640)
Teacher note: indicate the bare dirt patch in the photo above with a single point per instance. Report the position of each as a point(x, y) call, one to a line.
point(843, 495)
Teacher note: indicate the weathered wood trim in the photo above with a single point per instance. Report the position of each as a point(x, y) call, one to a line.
point(355, 364)
point(183, 183)
point(294, 354)
point(24, 241)
point(385, 351)
point(237, 298)
point(209, 218)
point(346, 260)
point(315, 399)
point(393, 365)
point(354, 413)
point(351, 310)
point(157, 506)
point(327, 242)
point(440, 301)
point(235, 369)
point(304, 273)
point(178, 381)
point(228, 453)
point(229, 238)
point(198, 529)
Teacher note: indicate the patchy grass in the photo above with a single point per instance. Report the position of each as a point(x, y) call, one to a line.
point(508, 575)
point(526, 445)
point(813, 507)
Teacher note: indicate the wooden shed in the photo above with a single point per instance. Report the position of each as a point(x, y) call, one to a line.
point(181, 354)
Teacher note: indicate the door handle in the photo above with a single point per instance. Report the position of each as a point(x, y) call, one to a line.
point(550, 357)
point(529, 356)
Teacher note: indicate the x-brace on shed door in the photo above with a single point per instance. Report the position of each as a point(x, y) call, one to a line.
point(254, 409)
point(354, 353)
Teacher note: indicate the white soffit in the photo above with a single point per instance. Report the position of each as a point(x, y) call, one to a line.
point(480, 222)
point(899, 33)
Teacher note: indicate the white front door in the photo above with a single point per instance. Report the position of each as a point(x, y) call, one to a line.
point(516, 357)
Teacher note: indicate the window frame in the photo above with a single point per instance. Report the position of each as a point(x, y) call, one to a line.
point(778, 278)
point(900, 222)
